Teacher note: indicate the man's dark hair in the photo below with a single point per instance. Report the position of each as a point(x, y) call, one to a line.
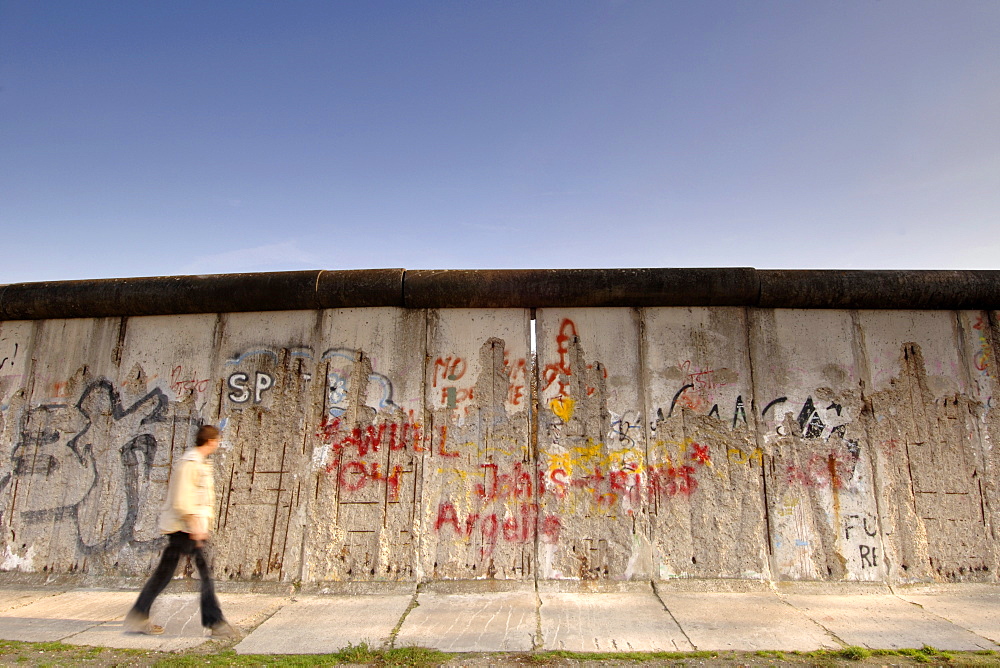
point(205, 434)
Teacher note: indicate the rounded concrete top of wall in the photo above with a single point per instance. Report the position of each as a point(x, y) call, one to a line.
point(503, 288)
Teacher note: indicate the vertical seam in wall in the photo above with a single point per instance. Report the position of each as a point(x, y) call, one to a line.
point(417, 523)
point(749, 322)
point(533, 409)
point(979, 462)
point(994, 342)
point(645, 416)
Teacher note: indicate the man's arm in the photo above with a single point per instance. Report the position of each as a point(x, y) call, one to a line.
point(186, 502)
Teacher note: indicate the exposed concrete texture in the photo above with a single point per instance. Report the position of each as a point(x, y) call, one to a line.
point(705, 474)
point(322, 624)
point(500, 621)
point(609, 622)
point(409, 445)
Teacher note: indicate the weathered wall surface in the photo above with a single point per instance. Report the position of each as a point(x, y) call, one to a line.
point(389, 443)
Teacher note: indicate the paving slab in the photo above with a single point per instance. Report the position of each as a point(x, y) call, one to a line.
point(480, 622)
point(58, 617)
point(180, 617)
point(884, 622)
point(323, 624)
point(976, 609)
point(745, 622)
point(609, 622)
point(15, 597)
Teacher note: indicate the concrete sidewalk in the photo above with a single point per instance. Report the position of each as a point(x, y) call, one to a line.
point(516, 617)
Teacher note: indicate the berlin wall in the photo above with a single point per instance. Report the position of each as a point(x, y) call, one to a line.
point(399, 426)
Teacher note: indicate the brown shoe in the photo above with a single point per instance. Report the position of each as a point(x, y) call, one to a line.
point(224, 629)
point(138, 623)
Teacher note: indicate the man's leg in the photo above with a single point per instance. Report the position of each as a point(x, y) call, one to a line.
point(211, 611)
point(137, 620)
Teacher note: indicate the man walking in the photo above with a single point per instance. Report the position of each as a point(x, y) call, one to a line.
point(186, 519)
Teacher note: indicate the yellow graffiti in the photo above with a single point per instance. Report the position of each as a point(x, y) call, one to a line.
point(738, 456)
point(563, 407)
point(593, 454)
point(661, 450)
point(788, 506)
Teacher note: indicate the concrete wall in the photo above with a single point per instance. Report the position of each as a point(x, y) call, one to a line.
point(391, 443)
point(410, 444)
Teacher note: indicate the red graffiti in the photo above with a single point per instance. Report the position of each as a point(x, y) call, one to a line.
point(179, 384)
point(556, 373)
point(604, 489)
point(700, 454)
point(520, 526)
point(448, 368)
point(516, 375)
point(503, 486)
point(394, 436)
point(356, 475)
point(831, 470)
point(693, 400)
point(702, 379)
point(668, 480)
point(452, 396)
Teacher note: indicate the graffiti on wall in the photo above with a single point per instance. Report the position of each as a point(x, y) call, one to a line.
point(86, 455)
point(454, 390)
point(88, 462)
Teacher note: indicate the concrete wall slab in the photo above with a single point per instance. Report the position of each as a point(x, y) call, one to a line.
point(592, 445)
point(705, 474)
point(821, 505)
point(479, 494)
point(366, 437)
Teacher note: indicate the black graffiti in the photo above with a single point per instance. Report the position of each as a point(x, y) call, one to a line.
point(869, 556)
point(739, 411)
point(678, 396)
point(779, 400)
point(810, 422)
point(849, 524)
point(71, 480)
point(9, 358)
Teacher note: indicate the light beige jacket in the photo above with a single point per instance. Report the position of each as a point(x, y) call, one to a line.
point(190, 504)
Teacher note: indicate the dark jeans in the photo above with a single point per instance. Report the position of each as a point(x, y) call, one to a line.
point(181, 543)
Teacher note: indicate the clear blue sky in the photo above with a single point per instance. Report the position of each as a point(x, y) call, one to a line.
point(176, 137)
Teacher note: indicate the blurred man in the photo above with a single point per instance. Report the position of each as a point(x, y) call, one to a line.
point(187, 516)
